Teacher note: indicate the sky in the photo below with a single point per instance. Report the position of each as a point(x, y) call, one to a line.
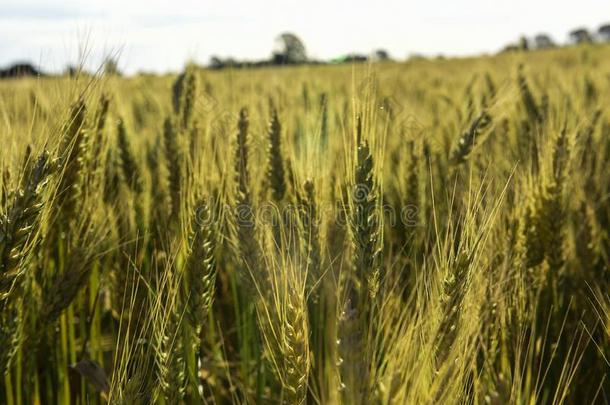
point(160, 36)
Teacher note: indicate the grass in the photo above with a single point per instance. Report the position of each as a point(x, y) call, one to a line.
point(434, 231)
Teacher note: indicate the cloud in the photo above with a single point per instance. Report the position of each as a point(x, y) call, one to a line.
point(49, 11)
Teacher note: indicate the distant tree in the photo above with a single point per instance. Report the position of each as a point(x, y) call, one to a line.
point(216, 63)
point(415, 57)
point(604, 32)
point(19, 70)
point(524, 44)
point(510, 48)
point(72, 71)
point(543, 41)
point(381, 55)
point(230, 62)
point(580, 36)
point(289, 49)
point(111, 67)
point(355, 57)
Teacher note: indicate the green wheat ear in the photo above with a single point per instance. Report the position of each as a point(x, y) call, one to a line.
point(11, 333)
point(73, 152)
point(242, 176)
point(454, 289)
point(311, 236)
point(170, 360)
point(161, 206)
point(173, 156)
point(362, 283)
point(296, 349)
point(527, 98)
point(552, 206)
point(21, 221)
point(18, 227)
point(131, 171)
point(201, 265)
point(275, 170)
point(466, 142)
point(247, 245)
point(365, 226)
point(98, 140)
point(413, 199)
point(184, 94)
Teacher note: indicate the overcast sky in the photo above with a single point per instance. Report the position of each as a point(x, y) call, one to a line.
point(156, 35)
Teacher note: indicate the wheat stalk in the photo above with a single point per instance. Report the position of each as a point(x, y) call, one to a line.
point(361, 285)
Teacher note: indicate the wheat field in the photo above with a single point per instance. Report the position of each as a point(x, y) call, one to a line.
point(426, 232)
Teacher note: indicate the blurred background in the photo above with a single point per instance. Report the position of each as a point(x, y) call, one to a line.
point(160, 36)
